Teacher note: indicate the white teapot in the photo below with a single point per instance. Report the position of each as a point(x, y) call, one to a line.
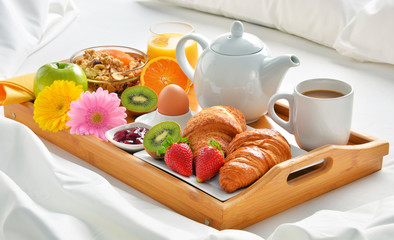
point(235, 70)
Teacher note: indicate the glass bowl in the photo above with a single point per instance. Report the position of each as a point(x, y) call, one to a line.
point(104, 67)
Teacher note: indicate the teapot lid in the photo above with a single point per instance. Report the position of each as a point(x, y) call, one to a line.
point(237, 42)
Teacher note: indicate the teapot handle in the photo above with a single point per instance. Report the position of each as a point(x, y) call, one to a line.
point(181, 56)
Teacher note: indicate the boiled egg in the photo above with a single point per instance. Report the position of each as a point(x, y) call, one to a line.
point(173, 101)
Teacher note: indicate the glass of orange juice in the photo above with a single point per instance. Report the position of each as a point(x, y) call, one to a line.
point(164, 38)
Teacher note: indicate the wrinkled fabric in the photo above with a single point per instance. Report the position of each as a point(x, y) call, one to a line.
point(42, 198)
point(369, 222)
point(359, 29)
point(26, 26)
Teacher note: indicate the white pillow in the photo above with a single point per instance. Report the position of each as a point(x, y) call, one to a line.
point(369, 36)
point(361, 29)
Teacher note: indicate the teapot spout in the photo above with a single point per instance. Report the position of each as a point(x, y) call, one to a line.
point(281, 64)
point(292, 61)
point(274, 69)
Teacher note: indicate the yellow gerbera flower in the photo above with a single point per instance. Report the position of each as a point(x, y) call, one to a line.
point(53, 103)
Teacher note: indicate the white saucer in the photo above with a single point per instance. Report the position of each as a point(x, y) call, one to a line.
point(155, 117)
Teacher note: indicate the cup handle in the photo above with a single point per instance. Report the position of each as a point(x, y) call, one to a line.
point(181, 55)
point(287, 125)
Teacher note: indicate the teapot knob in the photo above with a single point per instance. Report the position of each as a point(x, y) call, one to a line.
point(237, 29)
point(237, 42)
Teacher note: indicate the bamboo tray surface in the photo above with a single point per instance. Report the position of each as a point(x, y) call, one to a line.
point(285, 185)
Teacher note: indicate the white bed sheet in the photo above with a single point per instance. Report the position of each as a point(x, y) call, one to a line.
point(59, 187)
point(26, 26)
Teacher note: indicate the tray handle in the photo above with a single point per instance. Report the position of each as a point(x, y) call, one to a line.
point(305, 168)
point(324, 168)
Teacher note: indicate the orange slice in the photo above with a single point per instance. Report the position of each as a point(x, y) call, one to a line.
point(162, 71)
point(160, 41)
point(166, 40)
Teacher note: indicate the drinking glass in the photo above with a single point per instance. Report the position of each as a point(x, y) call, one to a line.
point(164, 38)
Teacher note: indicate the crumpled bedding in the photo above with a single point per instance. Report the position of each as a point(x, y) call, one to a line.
point(360, 29)
point(26, 26)
point(46, 198)
point(369, 222)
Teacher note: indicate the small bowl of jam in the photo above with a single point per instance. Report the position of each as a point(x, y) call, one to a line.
point(128, 137)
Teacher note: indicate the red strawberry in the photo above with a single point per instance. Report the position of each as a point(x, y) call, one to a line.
point(179, 157)
point(208, 161)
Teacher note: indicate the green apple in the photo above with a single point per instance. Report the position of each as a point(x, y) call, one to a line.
point(51, 72)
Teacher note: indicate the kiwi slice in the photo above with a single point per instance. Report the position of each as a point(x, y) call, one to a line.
point(139, 99)
point(157, 134)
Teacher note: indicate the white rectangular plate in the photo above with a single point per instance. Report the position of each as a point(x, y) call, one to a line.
point(211, 186)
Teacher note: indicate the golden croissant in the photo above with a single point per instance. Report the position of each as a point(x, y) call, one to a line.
point(221, 123)
point(250, 155)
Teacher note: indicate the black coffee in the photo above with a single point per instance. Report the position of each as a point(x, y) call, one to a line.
point(323, 94)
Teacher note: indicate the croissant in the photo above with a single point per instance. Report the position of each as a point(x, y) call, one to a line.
point(250, 155)
point(221, 123)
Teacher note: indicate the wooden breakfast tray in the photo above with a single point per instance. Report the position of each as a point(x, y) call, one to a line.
point(284, 186)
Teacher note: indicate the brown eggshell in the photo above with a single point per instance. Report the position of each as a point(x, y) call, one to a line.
point(173, 101)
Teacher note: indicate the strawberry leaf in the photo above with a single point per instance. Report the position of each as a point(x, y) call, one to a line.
point(161, 152)
point(215, 144)
point(184, 140)
point(168, 142)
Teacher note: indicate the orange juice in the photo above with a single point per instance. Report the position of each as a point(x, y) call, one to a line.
point(164, 45)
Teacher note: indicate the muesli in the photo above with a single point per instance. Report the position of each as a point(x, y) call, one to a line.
point(110, 69)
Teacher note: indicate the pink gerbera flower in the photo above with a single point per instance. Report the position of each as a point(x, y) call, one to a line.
point(95, 113)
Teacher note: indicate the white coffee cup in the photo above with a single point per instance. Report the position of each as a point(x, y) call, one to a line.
point(315, 120)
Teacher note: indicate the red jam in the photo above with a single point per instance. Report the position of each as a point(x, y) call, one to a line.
point(131, 135)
